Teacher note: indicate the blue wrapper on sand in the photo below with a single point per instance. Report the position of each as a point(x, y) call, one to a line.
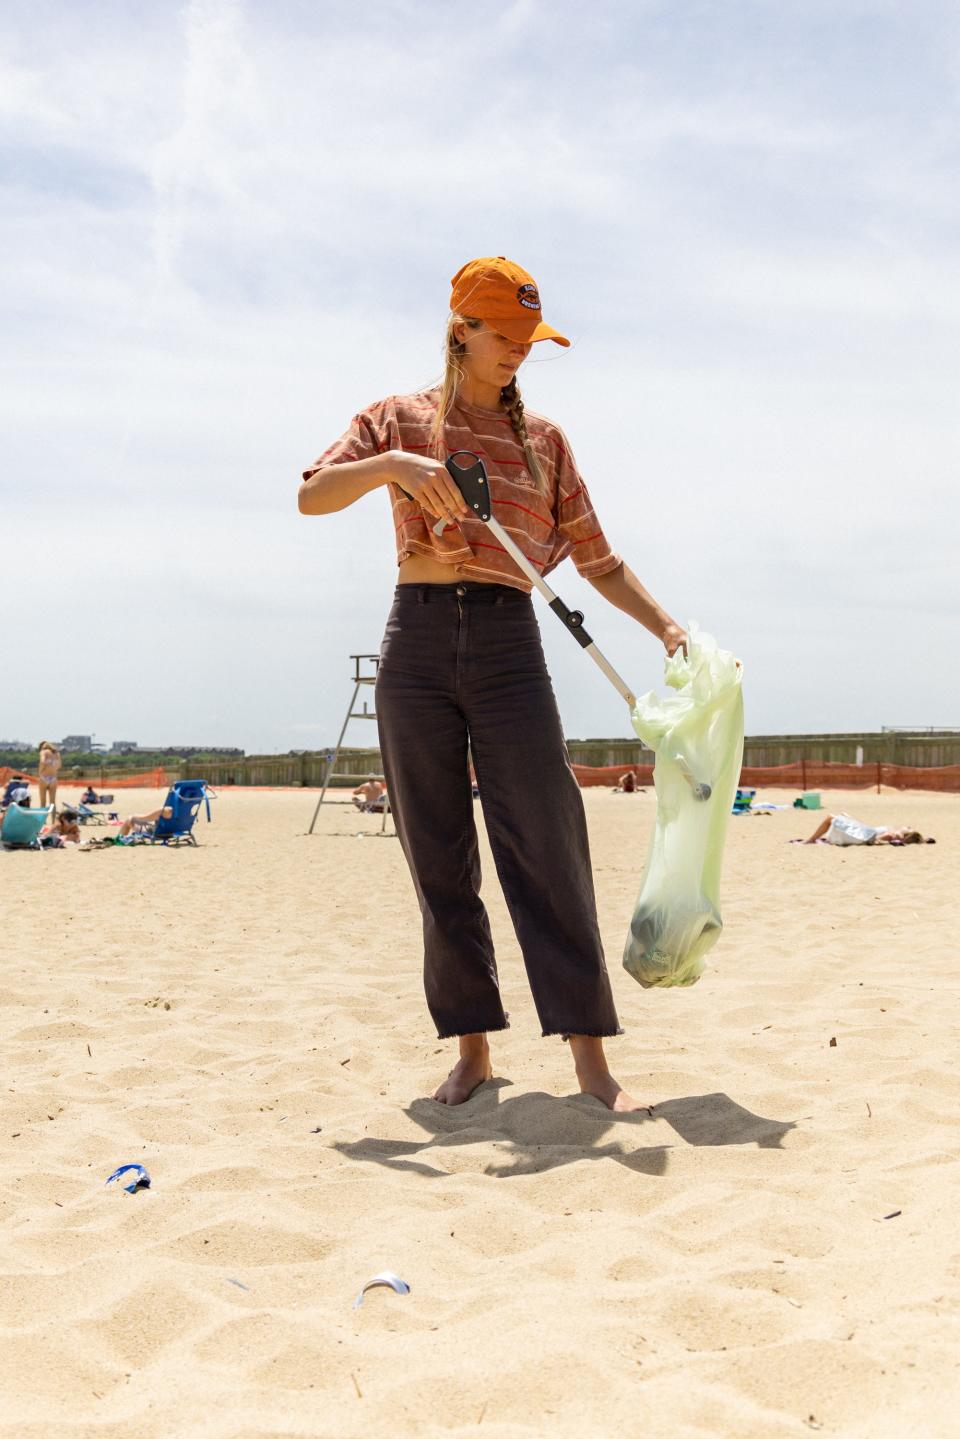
point(141, 1180)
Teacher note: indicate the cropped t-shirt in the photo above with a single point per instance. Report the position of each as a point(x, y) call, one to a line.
point(546, 525)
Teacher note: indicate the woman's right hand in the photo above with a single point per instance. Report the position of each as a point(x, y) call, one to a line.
point(428, 484)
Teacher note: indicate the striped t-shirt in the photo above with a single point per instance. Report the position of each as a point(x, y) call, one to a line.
point(547, 526)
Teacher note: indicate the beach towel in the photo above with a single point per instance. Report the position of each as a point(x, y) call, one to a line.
point(697, 735)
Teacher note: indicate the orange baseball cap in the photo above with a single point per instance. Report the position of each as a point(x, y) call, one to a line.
point(502, 293)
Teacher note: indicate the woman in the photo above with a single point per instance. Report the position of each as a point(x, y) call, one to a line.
point(65, 830)
point(843, 829)
point(48, 770)
point(461, 663)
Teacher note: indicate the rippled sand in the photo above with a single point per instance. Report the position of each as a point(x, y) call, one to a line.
point(246, 1020)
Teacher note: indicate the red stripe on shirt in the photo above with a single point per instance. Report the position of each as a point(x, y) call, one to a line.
point(517, 506)
point(478, 545)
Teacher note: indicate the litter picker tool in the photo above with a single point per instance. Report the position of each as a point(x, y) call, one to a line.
point(471, 480)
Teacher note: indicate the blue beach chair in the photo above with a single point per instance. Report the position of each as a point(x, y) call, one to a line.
point(185, 799)
point(21, 827)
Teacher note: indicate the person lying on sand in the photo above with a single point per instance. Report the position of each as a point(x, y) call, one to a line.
point(842, 829)
point(144, 822)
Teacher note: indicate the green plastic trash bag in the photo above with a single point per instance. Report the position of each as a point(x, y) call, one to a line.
point(697, 734)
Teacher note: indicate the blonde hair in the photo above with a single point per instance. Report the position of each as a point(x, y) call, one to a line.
point(48, 744)
point(453, 375)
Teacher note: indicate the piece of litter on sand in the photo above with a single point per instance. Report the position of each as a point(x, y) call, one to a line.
point(318, 1130)
point(238, 1284)
point(812, 1423)
point(388, 1280)
point(833, 1042)
point(895, 1214)
point(142, 1180)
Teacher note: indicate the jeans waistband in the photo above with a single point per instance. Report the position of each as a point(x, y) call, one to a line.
point(471, 592)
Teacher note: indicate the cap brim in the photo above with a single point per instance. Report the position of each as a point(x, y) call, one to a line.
point(529, 334)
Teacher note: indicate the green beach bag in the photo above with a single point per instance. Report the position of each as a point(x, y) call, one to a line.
point(697, 736)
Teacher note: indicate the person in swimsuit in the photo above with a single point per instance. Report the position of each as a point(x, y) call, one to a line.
point(462, 677)
point(843, 829)
point(370, 797)
point(144, 823)
point(48, 772)
point(64, 831)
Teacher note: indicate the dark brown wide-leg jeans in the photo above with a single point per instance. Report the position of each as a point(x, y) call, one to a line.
point(462, 665)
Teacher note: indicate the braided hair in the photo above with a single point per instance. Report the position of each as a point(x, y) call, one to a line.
point(453, 374)
point(513, 404)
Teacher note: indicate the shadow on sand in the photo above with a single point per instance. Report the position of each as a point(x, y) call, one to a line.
point(536, 1132)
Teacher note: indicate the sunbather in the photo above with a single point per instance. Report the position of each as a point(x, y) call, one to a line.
point(144, 823)
point(48, 773)
point(371, 796)
point(16, 792)
point(842, 829)
point(62, 832)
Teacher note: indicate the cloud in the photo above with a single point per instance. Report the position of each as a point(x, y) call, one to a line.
point(228, 226)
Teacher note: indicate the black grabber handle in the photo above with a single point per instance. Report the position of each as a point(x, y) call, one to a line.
point(573, 619)
point(471, 481)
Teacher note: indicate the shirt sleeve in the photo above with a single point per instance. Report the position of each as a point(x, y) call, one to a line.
point(578, 528)
point(364, 438)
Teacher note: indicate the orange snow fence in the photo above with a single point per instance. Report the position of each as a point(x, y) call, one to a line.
point(100, 779)
point(802, 775)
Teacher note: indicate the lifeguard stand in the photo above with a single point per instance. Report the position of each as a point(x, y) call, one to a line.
point(364, 673)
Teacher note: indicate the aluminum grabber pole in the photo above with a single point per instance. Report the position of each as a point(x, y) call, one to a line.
point(473, 486)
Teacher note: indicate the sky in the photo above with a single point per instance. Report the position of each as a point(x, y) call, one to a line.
point(228, 225)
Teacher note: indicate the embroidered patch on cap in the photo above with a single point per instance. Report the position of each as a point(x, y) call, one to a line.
point(528, 297)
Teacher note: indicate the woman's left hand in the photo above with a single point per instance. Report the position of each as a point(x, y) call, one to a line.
point(674, 638)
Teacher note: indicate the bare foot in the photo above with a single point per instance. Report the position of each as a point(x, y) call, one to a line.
point(595, 1078)
point(605, 1088)
point(472, 1068)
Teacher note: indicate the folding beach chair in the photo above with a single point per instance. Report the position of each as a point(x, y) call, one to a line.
point(185, 799)
point(84, 814)
point(21, 827)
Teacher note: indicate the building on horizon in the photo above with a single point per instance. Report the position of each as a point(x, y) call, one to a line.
point(82, 743)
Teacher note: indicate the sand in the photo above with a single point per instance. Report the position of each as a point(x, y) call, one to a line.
point(771, 1250)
